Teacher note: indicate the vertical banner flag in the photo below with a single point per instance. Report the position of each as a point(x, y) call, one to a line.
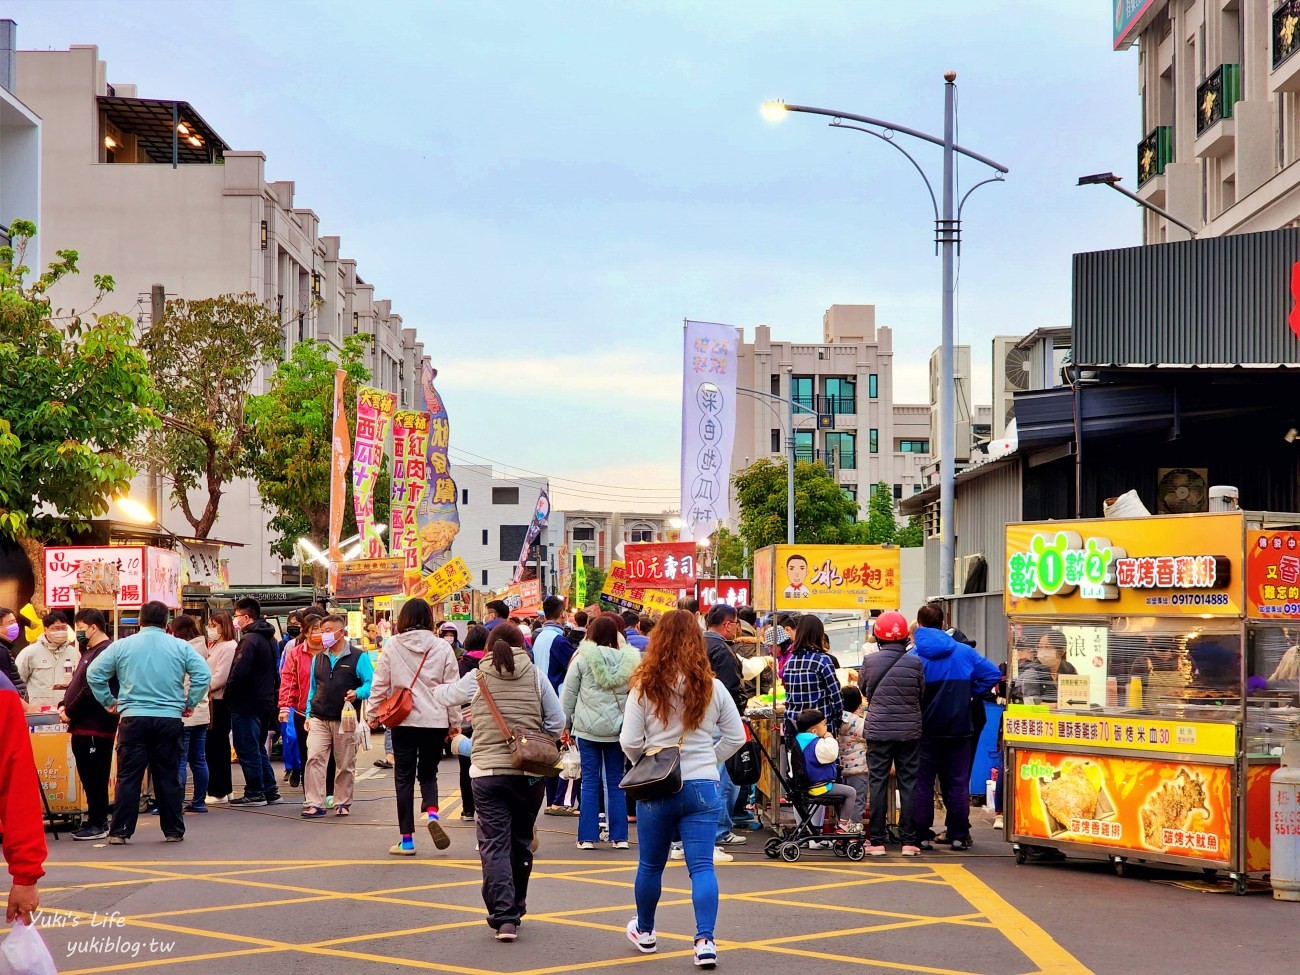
point(340, 457)
point(708, 426)
point(579, 579)
point(374, 413)
point(410, 481)
point(438, 520)
point(541, 512)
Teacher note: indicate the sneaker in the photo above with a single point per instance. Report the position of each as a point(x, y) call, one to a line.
point(925, 845)
point(911, 851)
point(401, 850)
point(218, 800)
point(586, 846)
point(620, 844)
point(960, 845)
point(720, 855)
point(117, 841)
point(90, 833)
point(998, 822)
point(295, 780)
point(507, 932)
point(644, 940)
point(274, 798)
point(733, 839)
point(195, 807)
point(819, 844)
point(853, 828)
point(706, 953)
point(329, 802)
point(173, 839)
point(439, 835)
point(245, 801)
point(876, 851)
point(676, 853)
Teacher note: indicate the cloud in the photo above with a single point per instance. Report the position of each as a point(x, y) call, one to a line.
point(599, 379)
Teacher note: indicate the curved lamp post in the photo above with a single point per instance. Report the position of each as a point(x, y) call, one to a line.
point(947, 237)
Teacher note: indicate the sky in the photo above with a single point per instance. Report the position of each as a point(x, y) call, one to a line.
point(546, 190)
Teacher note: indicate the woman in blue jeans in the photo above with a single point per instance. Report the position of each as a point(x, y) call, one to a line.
point(595, 693)
point(194, 740)
point(676, 701)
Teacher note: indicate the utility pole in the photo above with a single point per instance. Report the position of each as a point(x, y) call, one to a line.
point(157, 311)
point(789, 472)
point(949, 235)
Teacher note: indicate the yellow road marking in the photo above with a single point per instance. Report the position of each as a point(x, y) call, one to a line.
point(869, 962)
point(819, 906)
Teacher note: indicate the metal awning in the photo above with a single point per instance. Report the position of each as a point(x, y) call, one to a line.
point(150, 120)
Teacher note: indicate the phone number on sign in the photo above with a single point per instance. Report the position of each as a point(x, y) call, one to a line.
point(1191, 599)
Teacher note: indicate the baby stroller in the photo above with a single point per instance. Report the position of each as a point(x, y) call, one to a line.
point(794, 782)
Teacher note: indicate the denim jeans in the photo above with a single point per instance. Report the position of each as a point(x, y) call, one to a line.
point(194, 751)
point(249, 731)
point(728, 791)
point(598, 757)
point(692, 813)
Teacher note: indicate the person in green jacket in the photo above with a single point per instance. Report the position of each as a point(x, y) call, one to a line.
point(150, 667)
point(595, 693)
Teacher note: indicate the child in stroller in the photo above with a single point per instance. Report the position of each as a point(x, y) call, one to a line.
point(810, 785)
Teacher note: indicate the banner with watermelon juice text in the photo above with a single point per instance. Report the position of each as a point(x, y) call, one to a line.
point(340, 457)
point(374, 413)
point(410, 481)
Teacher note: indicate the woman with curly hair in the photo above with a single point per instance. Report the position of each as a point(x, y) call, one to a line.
point(676, 701)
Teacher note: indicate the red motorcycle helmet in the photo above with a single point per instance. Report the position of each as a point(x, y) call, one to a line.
point(891, 627)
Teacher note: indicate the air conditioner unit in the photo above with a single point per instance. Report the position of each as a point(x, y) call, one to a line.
point(1011, 374)
point(961, 403)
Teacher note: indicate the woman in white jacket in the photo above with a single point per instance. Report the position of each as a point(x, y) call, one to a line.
point(417, 741)
point(194, 740)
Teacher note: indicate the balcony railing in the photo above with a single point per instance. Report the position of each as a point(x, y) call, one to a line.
point(1286, 30)
point(1216, 96)
point(1155, 152)
point(833, 405)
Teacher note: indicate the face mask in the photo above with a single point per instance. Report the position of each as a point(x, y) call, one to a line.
point(294, 630)
point(238, 625)
point(83, 639)
point(1048, 657)
point(56, 638)
point(213, 634)
point(328, 639)
point(11, 632)
point(314, 642)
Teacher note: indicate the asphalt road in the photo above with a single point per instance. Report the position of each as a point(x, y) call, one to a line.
point(263, 891)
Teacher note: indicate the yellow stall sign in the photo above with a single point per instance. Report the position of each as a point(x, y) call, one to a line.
point(821, 577)
point(1143, 734)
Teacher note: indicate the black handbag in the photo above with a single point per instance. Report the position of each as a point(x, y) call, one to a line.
point(744, 766)
point(657, 774)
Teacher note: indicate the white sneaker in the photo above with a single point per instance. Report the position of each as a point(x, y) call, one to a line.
point(819, 844)
point(620, 844)
point(217, 800)
point(644, 940)
point(676, 853)
point(706, 954)
point(998, 821)
point(720, 856)
point(586, 846)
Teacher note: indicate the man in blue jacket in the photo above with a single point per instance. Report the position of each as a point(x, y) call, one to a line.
point(954, 673)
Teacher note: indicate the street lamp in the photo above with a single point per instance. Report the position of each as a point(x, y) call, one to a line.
point(947, 235)
point(1111, 180)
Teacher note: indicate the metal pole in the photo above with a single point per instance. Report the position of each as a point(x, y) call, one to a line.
point(175, 144)
point(789, 473)
point(947, 426)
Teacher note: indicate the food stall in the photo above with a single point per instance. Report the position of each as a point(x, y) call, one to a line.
point(810, 579)
point(1150, 690)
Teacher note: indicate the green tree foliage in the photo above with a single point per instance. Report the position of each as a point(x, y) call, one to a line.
point(75, 397)
point(292, 443)
point(822, 512)
point(730, 549)
point(881, 526)
point(203, 358)
point(595, 582)
point(911, 535)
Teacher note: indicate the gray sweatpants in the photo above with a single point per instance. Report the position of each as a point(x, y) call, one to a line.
point(860, 782)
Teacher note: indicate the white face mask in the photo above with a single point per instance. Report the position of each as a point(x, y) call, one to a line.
point(1048, 656)
point(56, 638)
point(213, 634)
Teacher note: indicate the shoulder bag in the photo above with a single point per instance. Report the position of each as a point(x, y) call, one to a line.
point(534, 752)
point(745, 766)
point(397, 706)
point(657, 774)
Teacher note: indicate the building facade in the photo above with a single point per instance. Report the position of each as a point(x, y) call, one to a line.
point(20, 149)
point(145, 190)
point(1220, 115)
point(495, 511)
point(846, 417)
point(598, 534)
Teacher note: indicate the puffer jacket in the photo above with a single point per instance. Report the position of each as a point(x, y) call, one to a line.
point(397, 667)
point(954, 673)
point(596, 689)
point(894, 711)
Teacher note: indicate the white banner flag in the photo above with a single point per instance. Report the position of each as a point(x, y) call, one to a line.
point(708, 426)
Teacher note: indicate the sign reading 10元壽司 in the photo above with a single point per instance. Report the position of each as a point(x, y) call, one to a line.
point(1059, 567)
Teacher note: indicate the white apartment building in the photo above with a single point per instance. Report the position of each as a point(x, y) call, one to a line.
point(598, 534)
point(146, 190)
point(495, 511)
point(846, 379)
point(1220, 117)
point(20, 149)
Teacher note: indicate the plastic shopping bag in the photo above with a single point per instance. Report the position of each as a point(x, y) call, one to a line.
point(348, 719)
point(23, 952)
point(363, 729)
point(570, 764)
point(289, 735)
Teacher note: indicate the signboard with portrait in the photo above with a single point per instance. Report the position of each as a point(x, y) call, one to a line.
point(822, 577)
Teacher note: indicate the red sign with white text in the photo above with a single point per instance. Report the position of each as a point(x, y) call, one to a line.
point(660, 565)
point(1272, 575)
point(732, 592)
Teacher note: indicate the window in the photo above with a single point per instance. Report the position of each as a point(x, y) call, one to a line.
point(873, 386)
point(584, 534)
point(776, 441)
point(776, 385)
point(512, 543)
point(842, 448)
point(850, 491)
point(801, 391)
point(484, 579)
point(875, 490)
point(873, 440)
point(841, 396)
point(485, 536)
point(464, 495)
point(638, 535)
point(505, 495)
point(803, 445)
point(913, 446)
point(916, 489)
point(898, 492)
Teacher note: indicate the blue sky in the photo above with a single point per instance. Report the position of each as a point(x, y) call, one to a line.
point(545, 190)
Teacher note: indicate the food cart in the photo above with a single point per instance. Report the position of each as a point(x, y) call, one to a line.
point(811, 579)
point(1148, 712)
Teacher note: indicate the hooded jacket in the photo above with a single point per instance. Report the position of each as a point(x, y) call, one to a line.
point(47, 669)
point(894, 711)
point(253, 682)
point(22, 823)
point(954, 673)
point(202, 716)
point(396, 669)
point(295, 675)
point(596, 690)
point(723, 660)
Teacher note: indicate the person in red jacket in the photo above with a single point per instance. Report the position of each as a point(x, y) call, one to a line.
point(22, 823)
point(295, 680)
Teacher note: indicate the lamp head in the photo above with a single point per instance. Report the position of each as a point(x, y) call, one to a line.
point(774, 111)
point(1110, 178)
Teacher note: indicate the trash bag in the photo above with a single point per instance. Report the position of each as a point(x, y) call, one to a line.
point(23, 952)
point(289, 735)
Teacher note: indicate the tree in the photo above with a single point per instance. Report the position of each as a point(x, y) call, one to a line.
point(292, 443)
point(730, 552)
point(823, 513)
point(911, 535)
point(881, 526)
point(203, 358)
point(595, 582)
point(75, 397)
